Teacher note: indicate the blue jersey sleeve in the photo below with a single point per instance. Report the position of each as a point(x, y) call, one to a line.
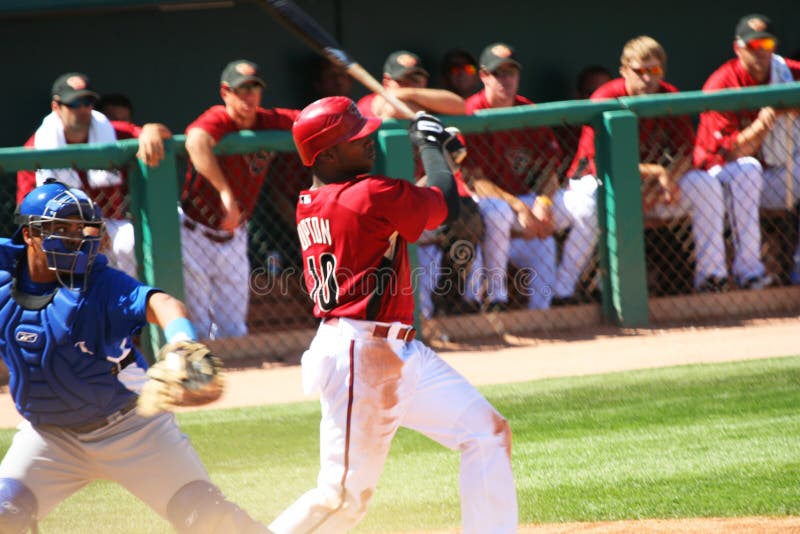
point(125, 301)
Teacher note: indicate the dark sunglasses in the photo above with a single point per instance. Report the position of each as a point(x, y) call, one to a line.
point(79, 103)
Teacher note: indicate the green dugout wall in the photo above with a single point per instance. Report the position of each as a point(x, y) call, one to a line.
point(167, 55)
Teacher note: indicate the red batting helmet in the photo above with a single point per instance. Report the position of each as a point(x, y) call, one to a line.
point(328, 122)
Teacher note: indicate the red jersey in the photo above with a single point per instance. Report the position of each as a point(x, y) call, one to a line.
point(344, 231)
point(364, 105)
point(513, 159)
point(718, 130)
point(112, 199)
point(660, 138)
point(245, 172)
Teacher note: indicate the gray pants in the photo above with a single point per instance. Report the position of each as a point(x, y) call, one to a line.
point(150, 457)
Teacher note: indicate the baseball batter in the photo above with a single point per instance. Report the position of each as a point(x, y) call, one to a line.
point(372, 374)
point(67, 320)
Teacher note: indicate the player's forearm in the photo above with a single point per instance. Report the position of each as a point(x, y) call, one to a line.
point(440, 176)
point(433, 100)
point(487, 189)
point(163, 308)
point(200, 147)
point(680, 167)
point(749, 140)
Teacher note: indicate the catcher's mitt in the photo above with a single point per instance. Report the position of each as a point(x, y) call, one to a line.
point(186, 374)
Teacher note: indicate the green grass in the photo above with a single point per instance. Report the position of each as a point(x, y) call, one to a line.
point(690, 441)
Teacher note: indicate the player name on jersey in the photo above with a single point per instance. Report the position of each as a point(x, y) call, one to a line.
point(314, 231)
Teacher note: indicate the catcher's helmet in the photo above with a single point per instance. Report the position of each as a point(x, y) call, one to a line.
point(70, 225)
point(328, 122)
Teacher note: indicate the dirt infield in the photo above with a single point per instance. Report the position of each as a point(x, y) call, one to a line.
point(713, 525)
point(518, 359)
point(515, 359)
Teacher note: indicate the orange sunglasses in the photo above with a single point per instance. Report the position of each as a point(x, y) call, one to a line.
point(656, 70)
point(766, 44)
point(465, 67)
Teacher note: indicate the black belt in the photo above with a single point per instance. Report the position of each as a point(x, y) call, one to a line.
point(103, 421)
point(406, 334)
point(216, 238)
point(125, 362)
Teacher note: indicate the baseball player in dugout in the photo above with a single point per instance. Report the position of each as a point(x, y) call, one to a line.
point(77, 379)
point(371, 372)
point(219, 197)
point(406, 78)
point(72, 120)
point(754, 153)
point(515, 174)
point(670, 186)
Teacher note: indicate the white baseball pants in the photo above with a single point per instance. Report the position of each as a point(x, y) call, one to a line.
point(122, 254)
point(702, 199)
point(369, 388)
point(216, 281)
point(742, 181)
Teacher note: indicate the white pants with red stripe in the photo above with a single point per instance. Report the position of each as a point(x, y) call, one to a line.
point(370, 387)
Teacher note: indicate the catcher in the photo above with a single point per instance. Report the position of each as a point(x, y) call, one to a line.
point(66, 339)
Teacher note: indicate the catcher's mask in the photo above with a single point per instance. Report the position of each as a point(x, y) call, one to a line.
point(70, 225)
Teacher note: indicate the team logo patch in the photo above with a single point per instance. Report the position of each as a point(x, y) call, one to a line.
point(81, 345)
point(77, 83)
point(245, 69)
point(757, 24)
point(407, 60)
point(501, 50)
point(305, 199)
point(27, 338)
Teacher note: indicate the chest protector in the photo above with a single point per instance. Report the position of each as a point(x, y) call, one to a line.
point(51, 379)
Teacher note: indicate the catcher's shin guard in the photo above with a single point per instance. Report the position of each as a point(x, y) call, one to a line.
point(199, 507)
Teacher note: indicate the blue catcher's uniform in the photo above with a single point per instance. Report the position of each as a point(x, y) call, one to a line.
point(64, 348)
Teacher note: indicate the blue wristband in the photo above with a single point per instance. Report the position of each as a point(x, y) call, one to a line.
point(180, 329)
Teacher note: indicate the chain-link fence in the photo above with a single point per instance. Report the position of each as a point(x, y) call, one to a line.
point(8, 188)
point(715, 223)
point(497, 270)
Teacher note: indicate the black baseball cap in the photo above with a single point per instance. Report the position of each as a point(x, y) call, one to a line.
point(402, 63)
point(239, 72)
point(71, 86)
point(754, 26)
point(497, 54)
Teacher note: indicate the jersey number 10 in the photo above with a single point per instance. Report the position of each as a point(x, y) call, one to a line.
point(325, 292)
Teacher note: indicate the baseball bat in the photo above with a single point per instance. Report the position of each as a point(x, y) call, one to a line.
point(309, 30)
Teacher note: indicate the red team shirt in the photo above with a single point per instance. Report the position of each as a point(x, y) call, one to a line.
point(656, 135)
point(344, 231)
point(364, 105)
point(717, 131)
point(245, 172)
point(112, 200)
point(511, 158)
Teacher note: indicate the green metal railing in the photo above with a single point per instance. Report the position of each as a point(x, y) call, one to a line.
point(155, 191)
